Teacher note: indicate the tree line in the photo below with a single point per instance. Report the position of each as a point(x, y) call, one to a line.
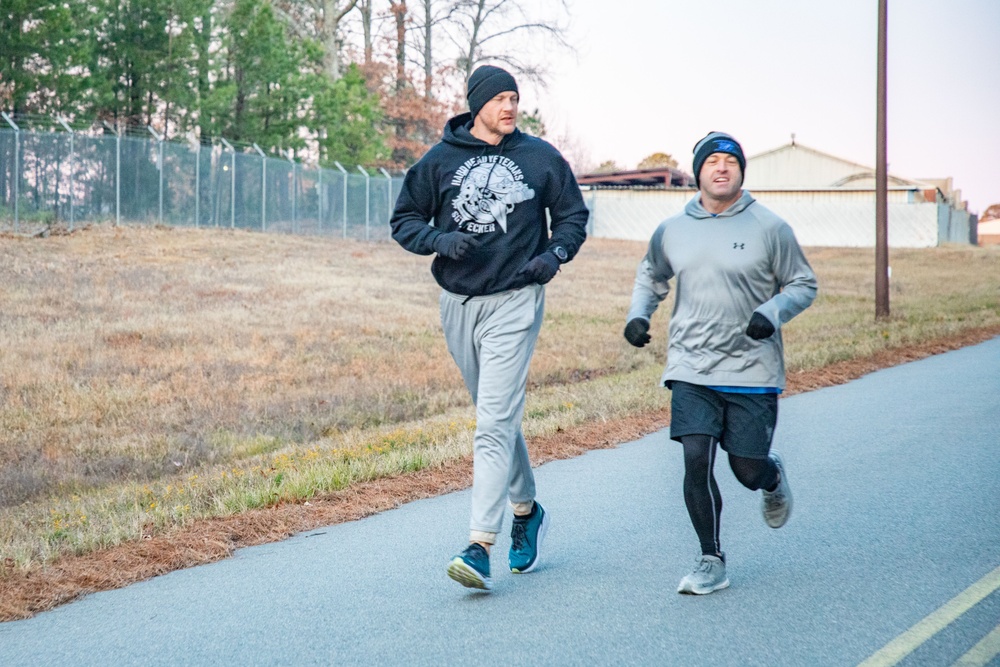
point(355, 81)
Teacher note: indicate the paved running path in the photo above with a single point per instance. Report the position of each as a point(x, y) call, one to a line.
point(896, 479)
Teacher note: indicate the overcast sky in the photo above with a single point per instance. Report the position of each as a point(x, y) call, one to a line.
point(657, 75)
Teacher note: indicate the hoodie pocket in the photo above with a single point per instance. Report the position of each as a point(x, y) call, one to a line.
point(708, 346)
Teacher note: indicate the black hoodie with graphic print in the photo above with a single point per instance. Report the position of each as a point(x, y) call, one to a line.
point(499, 194)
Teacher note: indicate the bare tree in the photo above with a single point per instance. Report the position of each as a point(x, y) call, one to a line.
point(365, 7)
point(428, 34)
point(607, 167)
point(319, 20)
point(576, 153)
point(398, 10)
point(483, 27)
point(435, 12)
point(409, 32)
point(656, 161)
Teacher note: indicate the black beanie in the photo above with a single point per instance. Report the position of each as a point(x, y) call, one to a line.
point(486, 83)
point(717, 142)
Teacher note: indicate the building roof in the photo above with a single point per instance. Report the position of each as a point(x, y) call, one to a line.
point(795, 166)
point(792, 167)
point(660, 177)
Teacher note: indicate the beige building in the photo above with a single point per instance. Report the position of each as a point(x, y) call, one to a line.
point(827, 200)
point(989, 232)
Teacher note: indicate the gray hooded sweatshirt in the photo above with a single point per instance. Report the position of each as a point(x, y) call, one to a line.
point(745, 259)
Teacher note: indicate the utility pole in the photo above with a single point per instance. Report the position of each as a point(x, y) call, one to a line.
point(881, 178)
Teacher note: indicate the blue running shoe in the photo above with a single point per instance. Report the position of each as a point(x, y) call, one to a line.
point(471, 568)
point(526, 537)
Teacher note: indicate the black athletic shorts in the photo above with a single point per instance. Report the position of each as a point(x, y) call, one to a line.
point(743, 423)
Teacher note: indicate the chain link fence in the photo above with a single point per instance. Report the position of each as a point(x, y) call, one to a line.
point(67, 177)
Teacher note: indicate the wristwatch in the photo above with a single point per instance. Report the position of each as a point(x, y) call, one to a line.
point(560, 253)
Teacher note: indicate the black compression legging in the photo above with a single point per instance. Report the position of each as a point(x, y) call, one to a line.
point(701, 493)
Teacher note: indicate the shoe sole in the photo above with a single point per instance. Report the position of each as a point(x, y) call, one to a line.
point(466, 575)
point(686, 589)
point(788, 495)
point(544, 528)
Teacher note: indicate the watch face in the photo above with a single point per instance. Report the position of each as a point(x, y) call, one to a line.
point(560, 253)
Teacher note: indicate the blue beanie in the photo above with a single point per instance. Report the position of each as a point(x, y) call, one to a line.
point(486, 83)
point(717, 142)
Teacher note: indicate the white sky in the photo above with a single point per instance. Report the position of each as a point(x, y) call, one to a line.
point(657, 75)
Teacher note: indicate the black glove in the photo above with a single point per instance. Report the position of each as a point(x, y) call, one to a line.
point(455, 245)
point(760, 327)
point(542, 268)
point(636, 332)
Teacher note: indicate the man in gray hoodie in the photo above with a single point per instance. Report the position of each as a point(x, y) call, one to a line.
point(740, 276)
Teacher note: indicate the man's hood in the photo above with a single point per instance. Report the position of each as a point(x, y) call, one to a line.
point(457, 133)
point(696, 210)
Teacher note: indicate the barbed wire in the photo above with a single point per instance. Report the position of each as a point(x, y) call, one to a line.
point(99, 127)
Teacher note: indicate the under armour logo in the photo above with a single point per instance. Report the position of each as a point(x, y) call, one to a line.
point(739, 246)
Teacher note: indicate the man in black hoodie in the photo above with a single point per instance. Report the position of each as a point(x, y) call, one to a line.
point(478, 199)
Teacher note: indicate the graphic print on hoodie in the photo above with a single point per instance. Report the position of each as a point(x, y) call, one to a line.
point(489, 188)
point(500, 194)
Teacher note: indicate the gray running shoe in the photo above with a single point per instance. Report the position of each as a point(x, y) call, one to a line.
point(777, 504)
point(709, 575)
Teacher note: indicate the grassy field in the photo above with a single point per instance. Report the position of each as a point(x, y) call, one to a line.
point(151, 378)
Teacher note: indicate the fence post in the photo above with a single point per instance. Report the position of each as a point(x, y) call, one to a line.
point(159, 165)
point(389, 196)
point(72, 155)
point(197, 183)
point(232, 181)
point(368, 202)
point(263, 187)
point(592, 217)
point(319, 199)
point(17, 168)
point(118, 178)
point(290, 156)
point(344, 173)
point(118, 173)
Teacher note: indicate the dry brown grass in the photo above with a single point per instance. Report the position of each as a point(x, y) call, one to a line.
point(138, 352)
point(152, 379)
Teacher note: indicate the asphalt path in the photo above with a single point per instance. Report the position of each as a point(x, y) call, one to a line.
point(892, 555)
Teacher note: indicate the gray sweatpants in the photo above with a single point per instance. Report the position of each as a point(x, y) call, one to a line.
point(492, 339)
